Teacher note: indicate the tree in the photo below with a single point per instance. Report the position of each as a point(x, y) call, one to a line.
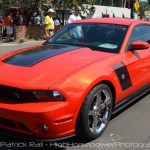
point(143, 7)
point(6, 3)
point(33, 4)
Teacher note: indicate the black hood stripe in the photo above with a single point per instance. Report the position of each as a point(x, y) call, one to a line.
point(36, 55)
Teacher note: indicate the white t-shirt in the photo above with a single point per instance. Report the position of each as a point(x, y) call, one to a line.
point(57, 22)
point(76, 32)
point(91, 16)
point(73, 17)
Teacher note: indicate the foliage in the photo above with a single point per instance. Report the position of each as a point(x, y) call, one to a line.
point(21, 41)
point(6, 3)
point(33, 4)
point(62, 4)
point(143, 7)
point(69, 4)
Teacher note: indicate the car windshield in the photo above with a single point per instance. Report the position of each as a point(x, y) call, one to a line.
point(97, 36)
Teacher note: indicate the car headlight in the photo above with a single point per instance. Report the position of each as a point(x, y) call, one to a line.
point(58, 95)
point(48, 95)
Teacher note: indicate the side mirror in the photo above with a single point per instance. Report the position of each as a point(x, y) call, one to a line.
point(139, 45)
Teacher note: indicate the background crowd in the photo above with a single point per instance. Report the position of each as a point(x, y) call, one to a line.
point(51, 22)
point(12, 19)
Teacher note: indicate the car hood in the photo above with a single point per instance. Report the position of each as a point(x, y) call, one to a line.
point(42, 66)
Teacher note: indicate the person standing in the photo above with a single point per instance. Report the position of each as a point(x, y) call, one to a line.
point(57, 24)
point(21, 19)
point(1, 27)
point(76, 15)
point(49, 23)
point(37, 20)
point(76, 31)
point(92, 13)
point(9, 26)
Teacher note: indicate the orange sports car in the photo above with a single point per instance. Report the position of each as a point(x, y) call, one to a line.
point(74, 82)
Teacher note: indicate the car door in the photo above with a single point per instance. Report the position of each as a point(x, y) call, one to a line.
point(139, 60)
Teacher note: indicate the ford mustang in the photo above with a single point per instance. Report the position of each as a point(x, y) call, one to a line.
point(73, 82)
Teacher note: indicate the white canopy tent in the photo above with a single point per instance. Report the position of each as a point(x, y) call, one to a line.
point(117, 12)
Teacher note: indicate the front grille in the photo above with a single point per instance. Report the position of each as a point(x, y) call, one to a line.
point(16, 94)
point(6, 123)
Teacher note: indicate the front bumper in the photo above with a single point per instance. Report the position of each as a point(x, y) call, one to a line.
point(7, 135)
point(39, 120)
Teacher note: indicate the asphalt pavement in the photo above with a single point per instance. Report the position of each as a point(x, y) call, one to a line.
point(127, 130)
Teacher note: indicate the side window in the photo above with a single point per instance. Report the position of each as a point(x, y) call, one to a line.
point(141, 33)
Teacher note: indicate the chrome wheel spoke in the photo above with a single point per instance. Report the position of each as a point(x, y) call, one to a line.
point(104, 119)
point(91, 112)
point(108, 101)
point(95, 124)
point(102, 106)
point(98, 98)
point(107, 98)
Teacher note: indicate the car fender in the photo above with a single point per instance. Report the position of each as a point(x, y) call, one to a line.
point(76, 86)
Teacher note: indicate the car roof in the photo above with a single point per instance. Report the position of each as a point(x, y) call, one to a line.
point(120, 21)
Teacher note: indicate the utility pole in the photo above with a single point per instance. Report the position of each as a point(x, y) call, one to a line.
point(132, 8)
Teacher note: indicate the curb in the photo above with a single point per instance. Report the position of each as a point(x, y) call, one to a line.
point(4, 43)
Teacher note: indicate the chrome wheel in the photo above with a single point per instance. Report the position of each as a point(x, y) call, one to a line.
point(99, 111)
point(95, 112)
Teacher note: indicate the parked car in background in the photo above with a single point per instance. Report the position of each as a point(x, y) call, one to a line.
point(74, 82)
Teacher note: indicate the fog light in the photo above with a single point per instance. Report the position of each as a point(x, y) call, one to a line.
point(45, 128)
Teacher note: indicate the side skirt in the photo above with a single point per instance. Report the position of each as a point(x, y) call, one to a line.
point(119, 106)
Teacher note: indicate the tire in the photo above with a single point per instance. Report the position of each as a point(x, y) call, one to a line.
point(95, 112)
